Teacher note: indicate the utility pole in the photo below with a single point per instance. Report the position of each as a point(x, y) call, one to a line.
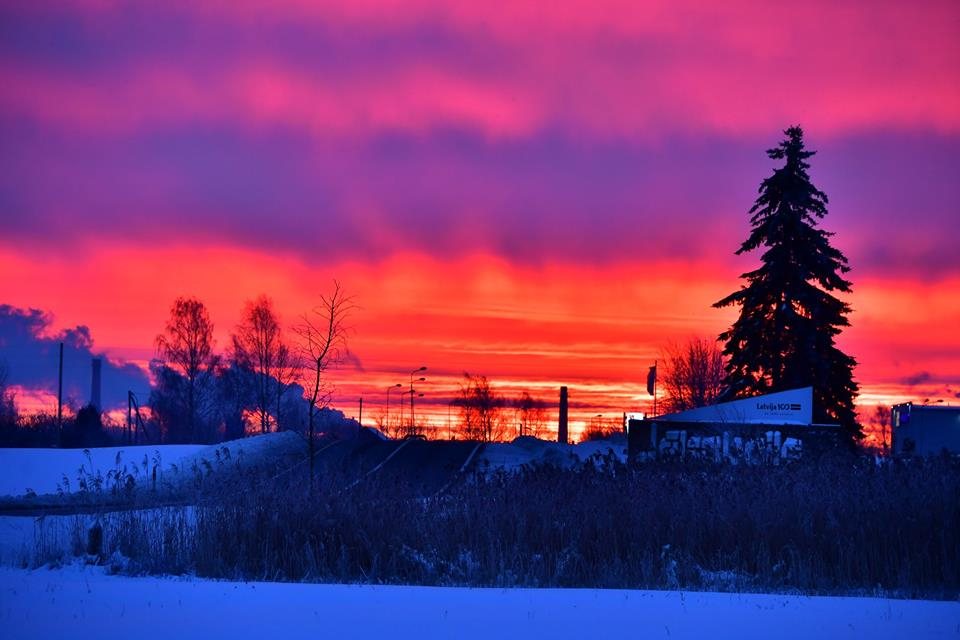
point(60, 398)
point(412, 416)
point(387, 420)
point(360, 420)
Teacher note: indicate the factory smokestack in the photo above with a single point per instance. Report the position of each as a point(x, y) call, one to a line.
point(562, 427)
point(95, 383)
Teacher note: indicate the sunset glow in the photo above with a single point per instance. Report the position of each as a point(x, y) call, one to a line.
point(543, 197)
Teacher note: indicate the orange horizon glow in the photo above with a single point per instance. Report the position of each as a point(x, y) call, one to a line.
point(593, 329)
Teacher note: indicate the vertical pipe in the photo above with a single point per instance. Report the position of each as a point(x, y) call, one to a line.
point(562, 426)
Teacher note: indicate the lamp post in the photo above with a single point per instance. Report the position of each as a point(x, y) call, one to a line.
point(449, 424)
point(412, 415)
point(413, 425)
point(389, 389)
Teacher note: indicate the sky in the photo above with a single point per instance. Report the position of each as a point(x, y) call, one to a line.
point(541, 194)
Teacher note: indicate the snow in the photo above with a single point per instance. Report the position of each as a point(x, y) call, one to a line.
point(60, 602)
point(32, 541)
point(57, 603)
point(43, 470)
point(17, 538)
point(524, 451)
point(40, 470)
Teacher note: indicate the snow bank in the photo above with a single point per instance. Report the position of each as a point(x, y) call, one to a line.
point(40, 470)
point(83, 601)
point(525, 451)
point(269, 449)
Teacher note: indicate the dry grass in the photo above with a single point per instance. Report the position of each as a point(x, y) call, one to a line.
point(828, 526)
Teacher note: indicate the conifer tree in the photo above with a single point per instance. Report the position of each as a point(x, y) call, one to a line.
point(789, 317)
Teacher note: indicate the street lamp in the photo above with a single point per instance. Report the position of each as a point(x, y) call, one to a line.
point(597, 419)
point(389, 389)
point(412, 415)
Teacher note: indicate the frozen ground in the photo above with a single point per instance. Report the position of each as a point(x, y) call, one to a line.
point(80, 601)
point(525, 451)
point(42, 470)
point(83, 601)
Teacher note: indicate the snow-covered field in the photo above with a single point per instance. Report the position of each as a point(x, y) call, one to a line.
point(41, 470)
point(82, 601)
point(77, 599)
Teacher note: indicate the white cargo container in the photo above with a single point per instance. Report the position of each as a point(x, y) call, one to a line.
point(925, 429)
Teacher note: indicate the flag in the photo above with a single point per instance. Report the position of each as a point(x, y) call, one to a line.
point(652, 379)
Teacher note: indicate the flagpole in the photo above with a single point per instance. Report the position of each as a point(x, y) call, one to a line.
point(655, 372)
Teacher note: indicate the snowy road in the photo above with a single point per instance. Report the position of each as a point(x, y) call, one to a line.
point(58, 603)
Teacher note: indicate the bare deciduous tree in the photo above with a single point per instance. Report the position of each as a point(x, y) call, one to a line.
point(693, 374)
point(8, 405)
point(531, 414)
point(881, 424)
point(480, 410)
point(599, 428)
point(286, 365)
point(323, 335)
point(187, 343)
point(258, 347)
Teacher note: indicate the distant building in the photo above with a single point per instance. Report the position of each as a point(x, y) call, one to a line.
point(785, 407)
point(925, 429)
point(766, 427)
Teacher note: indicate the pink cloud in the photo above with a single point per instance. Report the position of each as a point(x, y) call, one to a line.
point(634, 70)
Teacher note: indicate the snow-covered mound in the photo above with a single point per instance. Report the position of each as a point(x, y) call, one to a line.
point(526, 451)
point(266, 450)
point(42, 470)
point(74, 600)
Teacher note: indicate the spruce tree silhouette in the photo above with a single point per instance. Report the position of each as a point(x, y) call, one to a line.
point(784, 336)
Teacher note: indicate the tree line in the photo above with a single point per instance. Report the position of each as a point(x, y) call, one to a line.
point(270, 377)
point(267, 379)
point(482, 413)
